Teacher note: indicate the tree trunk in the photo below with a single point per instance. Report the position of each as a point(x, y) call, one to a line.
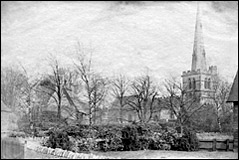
point(219, 124)
point(59, 103)
point(90, 116)
point(59, 111)
point(121, 112)
point(181, 130)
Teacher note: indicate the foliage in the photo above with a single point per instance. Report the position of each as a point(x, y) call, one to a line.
point(164, 140)
point(227, 123)
point(188, 142)
point(108, 137)
point(130, 138)
point(121, 137)
point(206, 121)
point(45, 141)
point(148, 129)
point(111, 138)
point(85, 144)
point(82, 131)
point(58, 139)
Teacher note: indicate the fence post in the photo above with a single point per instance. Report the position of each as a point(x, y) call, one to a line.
point(214, 144)
point(227, 145)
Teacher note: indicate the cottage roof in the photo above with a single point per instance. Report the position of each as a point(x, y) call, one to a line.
point(233, 96)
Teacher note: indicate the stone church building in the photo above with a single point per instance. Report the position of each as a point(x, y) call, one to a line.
point(200, 80)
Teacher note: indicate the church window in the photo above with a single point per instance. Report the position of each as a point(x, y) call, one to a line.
point(194, 83)
point(205, 83)
point(209, 83)
point(190, 84)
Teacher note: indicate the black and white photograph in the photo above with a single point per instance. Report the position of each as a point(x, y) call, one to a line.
point(119, 79)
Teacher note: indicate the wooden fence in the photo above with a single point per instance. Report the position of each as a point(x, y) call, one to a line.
point(12, 148)
point(216, 144)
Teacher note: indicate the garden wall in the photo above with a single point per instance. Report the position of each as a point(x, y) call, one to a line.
point(213, 145)
point(68, 154)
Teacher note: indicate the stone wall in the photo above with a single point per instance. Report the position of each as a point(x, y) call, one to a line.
point(68, 154)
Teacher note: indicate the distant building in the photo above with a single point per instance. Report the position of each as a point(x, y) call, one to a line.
point(160, 112)
point(45, 103)
point(233, 97)
point(8, 120)
point(200, 80)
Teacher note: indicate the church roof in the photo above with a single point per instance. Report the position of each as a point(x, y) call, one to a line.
point(233, 96)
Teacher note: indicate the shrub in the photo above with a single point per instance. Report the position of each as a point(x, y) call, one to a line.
point(44, 141)
point(130, 138)
point(148, 129)
point(86, 144)
point(188, 142)
point(58, 139)
point(82, 138)
point(111, 138)
point(164, 140)
point(83, 131)
point(144, 142)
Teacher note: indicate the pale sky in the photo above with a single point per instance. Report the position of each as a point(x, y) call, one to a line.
point(128, 38)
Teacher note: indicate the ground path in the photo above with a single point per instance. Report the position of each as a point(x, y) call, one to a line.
point(153, 154)
point(147, 154)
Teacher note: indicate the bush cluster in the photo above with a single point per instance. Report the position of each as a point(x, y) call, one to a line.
point(188, 142)
point(121, 138)
point(110, 138)
point(58, 139)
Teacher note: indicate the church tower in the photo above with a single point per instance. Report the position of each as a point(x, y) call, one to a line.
point(199, 80)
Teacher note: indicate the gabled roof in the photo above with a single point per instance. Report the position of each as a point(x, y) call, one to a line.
point(233, 96)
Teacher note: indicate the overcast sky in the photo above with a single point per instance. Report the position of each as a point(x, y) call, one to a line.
point(129, 38)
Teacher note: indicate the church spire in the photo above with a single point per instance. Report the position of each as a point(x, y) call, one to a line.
point(199, 57)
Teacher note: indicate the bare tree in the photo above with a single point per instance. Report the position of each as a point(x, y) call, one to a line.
point(13, 81)
point(28, 95)
point(17, 91)
point(120, 88)
point(95, 86)
point(183, 105)
point(143, 99)
point(221, 92)
point(54, 84)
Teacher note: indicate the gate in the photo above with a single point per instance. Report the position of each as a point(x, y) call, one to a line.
point(12, 148)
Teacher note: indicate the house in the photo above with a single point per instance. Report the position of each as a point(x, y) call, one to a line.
point(127, 114)
point(233, 98)
point(45, 107)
